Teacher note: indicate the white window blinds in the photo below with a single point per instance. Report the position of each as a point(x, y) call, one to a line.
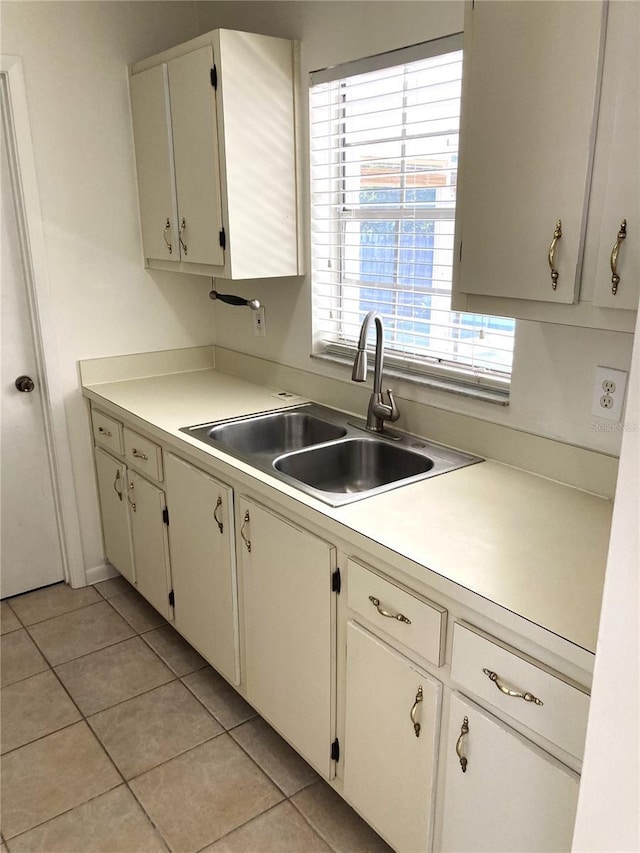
point(384, 153)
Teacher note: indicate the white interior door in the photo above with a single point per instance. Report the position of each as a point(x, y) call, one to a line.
point(31, 555)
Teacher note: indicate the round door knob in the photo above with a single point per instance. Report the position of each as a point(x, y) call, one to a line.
point(25, 383)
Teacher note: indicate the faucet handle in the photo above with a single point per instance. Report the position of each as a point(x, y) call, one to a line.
point(394, 414)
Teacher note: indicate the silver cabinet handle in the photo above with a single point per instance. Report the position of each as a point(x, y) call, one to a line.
point(414, 709)
point(557, 234)
point(115, 485)
point(139, 455)
point(246, 521)
point(615, 278)
point(167, 229)
point(464, 731)
point(183, 226)
point(215, 515)
point(105, 432)
point(509, 691)
point(133, 504)
point(400, 617)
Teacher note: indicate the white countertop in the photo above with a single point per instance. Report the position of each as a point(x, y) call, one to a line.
point(532, 546)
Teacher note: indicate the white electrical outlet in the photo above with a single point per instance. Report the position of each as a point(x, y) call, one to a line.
point(608, 393)
point(259, 327)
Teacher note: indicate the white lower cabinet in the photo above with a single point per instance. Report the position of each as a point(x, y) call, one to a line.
point(114, 506)
point(509, 796)
point(289, 613)
point(150, 543)
point(203, 567)
point(391, 737)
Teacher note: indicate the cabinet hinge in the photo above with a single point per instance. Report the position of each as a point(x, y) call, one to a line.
point(335, 750)
point(223, 239)
point(214, 77)
point(165, 515)
point(172, 599)
point(460, 252)
point(336, 581)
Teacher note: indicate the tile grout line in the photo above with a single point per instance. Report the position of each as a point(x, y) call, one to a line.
point(126, 782)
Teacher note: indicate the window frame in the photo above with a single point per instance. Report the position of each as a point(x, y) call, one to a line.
point(329, 286)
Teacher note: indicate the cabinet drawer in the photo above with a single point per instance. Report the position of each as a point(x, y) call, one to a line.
point(422, 626)
point(143, 454)
point(107, 433)
point(479, 664)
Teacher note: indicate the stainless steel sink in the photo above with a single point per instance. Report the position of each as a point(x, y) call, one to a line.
point(354, 465)
point(328, 454)
point(274, 433)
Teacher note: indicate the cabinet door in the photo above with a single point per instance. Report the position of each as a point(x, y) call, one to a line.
point(201, 540)
point(114, 507)
point(530, 84)
point(154, 163)
point(150, 545)
point(289, 630)
point(389, 771)
point(621, 166)
point(195, 145)
point(512, 797)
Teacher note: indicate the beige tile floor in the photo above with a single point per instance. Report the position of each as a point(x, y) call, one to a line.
point(117, 737)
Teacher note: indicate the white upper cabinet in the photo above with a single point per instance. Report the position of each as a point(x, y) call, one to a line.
point(616, 189)
point(531, 86)
point(215, 140)
point(154, 163)
point(195, 151)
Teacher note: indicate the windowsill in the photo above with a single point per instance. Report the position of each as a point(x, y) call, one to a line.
point(462, 389)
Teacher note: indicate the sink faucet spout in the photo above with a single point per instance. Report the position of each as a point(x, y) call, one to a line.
point(378, 411)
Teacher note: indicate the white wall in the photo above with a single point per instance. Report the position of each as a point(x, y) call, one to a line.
point(609, 806)
point(75, 57)
point(553, 365)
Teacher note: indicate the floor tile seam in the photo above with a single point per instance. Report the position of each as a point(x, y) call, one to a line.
point(102, 648)
point(266, 772)
point(128, 782)
point(315, 828)
point(208, 710)
point(61, 729)
point(241, 825)
point(167, 760)
point(42, 737)
point(174, 757)
point(87, 717)
point(12, 630)
point(147, 815)
point(60, 814)
point(58, 615)
point(27, 677)
point(166, 663)
point(138, 631)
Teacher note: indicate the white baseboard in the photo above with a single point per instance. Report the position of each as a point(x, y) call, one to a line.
point(100, 573)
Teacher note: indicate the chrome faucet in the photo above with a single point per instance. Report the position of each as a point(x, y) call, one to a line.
point(378, 411)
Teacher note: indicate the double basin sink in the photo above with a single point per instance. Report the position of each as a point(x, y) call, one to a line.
point(328, 454)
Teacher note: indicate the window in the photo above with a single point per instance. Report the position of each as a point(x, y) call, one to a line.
point(384, 154)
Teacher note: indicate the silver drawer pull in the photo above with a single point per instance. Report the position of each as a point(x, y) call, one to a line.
point(215, 514)
point(414, 709)
point(106, 432)
point(615, 278)
point(167, 229)
point(139, 455)
point(133, 503)
point(509, 691)
point(115, 485)
point(557, 234)
point(464, 731)
point(245, 521)
point(400, 617)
